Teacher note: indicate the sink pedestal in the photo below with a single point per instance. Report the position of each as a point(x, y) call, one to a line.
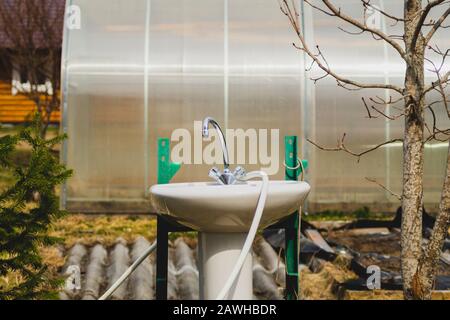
point(218, 253)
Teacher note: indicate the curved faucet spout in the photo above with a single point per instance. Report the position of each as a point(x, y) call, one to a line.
point(205, 134)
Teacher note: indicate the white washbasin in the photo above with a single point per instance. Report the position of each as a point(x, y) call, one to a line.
point(212, 207)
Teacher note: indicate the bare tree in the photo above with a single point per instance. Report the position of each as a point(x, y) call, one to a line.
point(414, 47)
point(33, 29)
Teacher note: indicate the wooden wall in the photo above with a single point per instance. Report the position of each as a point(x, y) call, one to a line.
point(17, 109)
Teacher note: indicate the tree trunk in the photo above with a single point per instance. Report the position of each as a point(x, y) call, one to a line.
point(412, 197)
point(413, 153)
point(426, 272)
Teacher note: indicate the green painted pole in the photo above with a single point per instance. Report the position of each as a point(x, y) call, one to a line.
point(292, 223)
point(166, 171)
point(291, 245)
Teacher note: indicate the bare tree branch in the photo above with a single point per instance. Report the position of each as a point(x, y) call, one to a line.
point(440, 87)
point(370, 116)
point(291, 12)
point(367, 4)
point(437, 25)
point(441, 81)
point(399, 197)
point(338, 13)
point(421, 21)
point(342, 147)
point(380, 101)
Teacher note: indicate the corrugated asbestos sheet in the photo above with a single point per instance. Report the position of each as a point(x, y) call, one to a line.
point(101, 266)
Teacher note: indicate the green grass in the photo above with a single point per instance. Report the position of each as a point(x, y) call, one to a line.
point(4, 130)
point(335, 215)
point(6, 179)
point(20, 156)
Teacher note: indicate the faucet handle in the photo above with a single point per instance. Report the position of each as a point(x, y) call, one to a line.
point(239, 172)
point(214, 173)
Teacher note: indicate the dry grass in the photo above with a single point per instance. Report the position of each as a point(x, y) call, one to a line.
point(315, 286)
point(11, 280)
point(88, 230)
point(389, 295)
point(103, 228)
point(373, 295)
point(320, 286)
point(52, 258)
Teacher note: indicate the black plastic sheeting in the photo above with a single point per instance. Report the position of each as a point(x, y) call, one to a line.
point(311, 254)
point(427, 223)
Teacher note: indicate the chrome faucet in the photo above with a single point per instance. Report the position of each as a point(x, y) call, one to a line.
point(225, 177)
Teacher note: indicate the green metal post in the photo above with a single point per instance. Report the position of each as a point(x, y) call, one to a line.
point(291, 160)
point(291, 253)
point(292, 223)
point(166, 170)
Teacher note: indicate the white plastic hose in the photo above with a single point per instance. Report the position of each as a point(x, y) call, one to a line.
point(251, 233)
point(127, 273)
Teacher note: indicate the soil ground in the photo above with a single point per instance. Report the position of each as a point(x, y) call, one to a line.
point(377, 249)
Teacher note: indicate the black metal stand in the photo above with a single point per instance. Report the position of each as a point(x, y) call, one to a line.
point(166, 225)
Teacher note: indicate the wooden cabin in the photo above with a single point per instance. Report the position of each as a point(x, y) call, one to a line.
point(15, 109)
point(15, 105)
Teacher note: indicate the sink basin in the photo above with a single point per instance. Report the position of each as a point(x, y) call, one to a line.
point(212, 207)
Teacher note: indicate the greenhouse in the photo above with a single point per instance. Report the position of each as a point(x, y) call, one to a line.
point(135, 71)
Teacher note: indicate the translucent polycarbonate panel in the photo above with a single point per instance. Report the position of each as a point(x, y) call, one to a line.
point(104, 96)
point(138, 70)
point(144, 70)
point(264, 73)
point(338, 177)
point(186, 74)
